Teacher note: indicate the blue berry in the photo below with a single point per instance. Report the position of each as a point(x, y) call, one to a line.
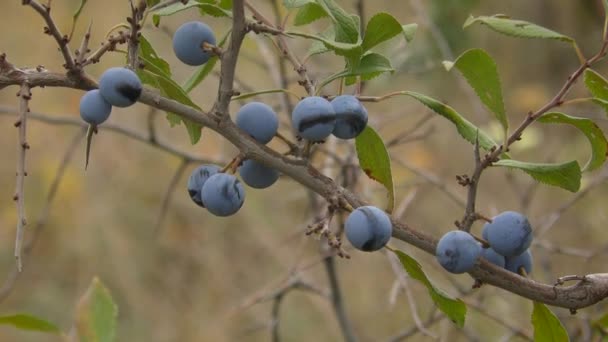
point(509, 234)
point(257, 175)
point(458, 251)
point(523, 260)
point(120, 87)
point(258, 120)
point(351, 116)
point(314, 118)
point(94, 109)
point(368, 228)
point(197, 179)
point(490, 255)
point(223, 194)
point(188, 43)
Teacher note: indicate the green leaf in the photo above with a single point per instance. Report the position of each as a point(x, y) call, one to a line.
point(151, 3)
point(517, 28)
point(204, 70)
point(598, 87)
point(455, 309)
point(205, 8)
point(466, 129)
point(339, 48)
point(225, 4)
point(172, 90)
point(479, 69)
point(375, 161)
point(309, 13)
point(599, 145)
point(29, 323)
point(409, 31)
point(380, 28)
point(296, 3)
point(566, 176)
point(96, 314)
point(151, 58)
point(370, 66)
point(346, 28)
point(601, 322)
point(76, 15)
point(317, 47)
point(261, 92)
point(547, 327)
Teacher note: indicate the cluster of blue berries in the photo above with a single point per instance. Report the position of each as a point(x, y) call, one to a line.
point(315, 118)
point(509, 235)
point(118, 87)
point(222, 193)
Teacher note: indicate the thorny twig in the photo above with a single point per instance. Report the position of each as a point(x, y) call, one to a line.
point(24, 97)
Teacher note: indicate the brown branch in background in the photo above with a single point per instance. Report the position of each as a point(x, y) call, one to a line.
point(9, 282)
point(177, 175)
point(285, 51)
point(52, 29)
point(24, 97)
point(336, 299)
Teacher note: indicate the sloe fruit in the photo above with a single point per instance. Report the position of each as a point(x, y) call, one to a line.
point(368, 228)
point(223, 194)
point(523, 260)
point(188, 43)
point(120, 87)
point(197, 179)
point(351, 117)
point(94, 109)
point(509, 234)
point(258, 120)
point(257, 175)
point(458, 251)
point(314, 118)
point(490, 255)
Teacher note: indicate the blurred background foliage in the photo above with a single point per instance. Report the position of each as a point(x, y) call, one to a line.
point(194, 278)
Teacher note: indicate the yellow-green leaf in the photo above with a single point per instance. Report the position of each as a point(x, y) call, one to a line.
point(375, 161)
point(96, 314)
point(598, 87)
point(480, 70)
point(547, 327)
point(599, 145)
point(566, 176)
point(455, 309)
point(517, 28)
point(30, 323)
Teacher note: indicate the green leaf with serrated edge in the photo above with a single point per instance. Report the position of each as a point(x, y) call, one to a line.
point(29, 323)
point(375, 161)
point(96, 314)
point(371, 65)
point(296, 3)
point(479, 69)
point(517, 28)
point(409, 31)
point(147, 52)
point(340, 49)
point(547, 327)
point(308, 14)
point(225, 4)
point(598, 87)
point(172, 90)
point(599, 145)
point(466, 129)
point(380, 28)
point(261, 92)
point(205, 8)
point(601, 322)
point(566, 176)
point(455, 309)
point(214, 11)
point(204, 70)
point(317, 47)
point(347, 30)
